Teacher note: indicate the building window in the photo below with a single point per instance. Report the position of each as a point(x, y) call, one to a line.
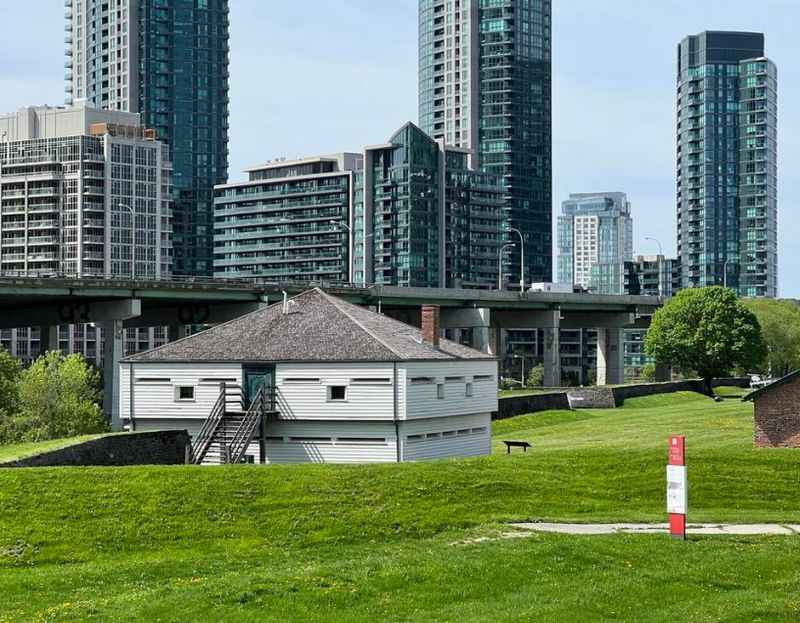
point(337, 393)
point(468, 391)
point(361, 440)
point(440, 391)
point(184, 393)
point(317, 440)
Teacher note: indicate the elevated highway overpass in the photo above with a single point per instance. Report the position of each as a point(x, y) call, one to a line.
point(118, 304)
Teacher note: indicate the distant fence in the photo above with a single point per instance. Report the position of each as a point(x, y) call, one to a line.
point(150, 448)
point(601, 397)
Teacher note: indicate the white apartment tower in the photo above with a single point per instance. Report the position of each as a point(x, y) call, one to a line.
point(595, 239)
point(448, 74)
point(83, 193)
point(102, 65)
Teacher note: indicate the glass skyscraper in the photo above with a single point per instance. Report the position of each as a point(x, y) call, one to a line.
point(485, 86)
point(167, 61)
point(423, 218)
point(727, 163)
point(595, 239)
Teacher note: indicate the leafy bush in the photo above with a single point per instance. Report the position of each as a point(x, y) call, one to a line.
point(570, 378)
point(58, 397)
point(649, 372)
point(10, 369)
point(780, 327)
point(536, 376)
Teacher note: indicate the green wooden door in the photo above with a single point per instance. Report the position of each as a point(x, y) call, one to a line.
point(256, 377)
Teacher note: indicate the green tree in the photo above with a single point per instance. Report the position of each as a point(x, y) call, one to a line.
point(536, 376)
point(708, 330)
point(59, 397)
point(10, 369)
point(780, 327)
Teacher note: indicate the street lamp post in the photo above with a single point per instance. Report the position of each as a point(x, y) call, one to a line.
point(500, 263)
point(725, 273)
point(522, 361)
point(133, 239)
point(522, 258)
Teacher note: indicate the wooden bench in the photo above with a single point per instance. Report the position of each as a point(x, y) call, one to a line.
point(517, 444)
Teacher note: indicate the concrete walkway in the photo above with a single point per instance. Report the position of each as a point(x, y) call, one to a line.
point(662, 528)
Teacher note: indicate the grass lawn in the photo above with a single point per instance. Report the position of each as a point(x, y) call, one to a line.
point(18, 451)
point(400, 542)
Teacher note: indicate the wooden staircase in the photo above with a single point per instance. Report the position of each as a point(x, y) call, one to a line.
point(229, 429)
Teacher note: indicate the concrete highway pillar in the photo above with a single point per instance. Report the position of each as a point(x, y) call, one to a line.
point(48, 339)
point(113, 349)
point(476, 319)
point(610, 356)
point(552, 357)
point(481, 340)
point(497, 343)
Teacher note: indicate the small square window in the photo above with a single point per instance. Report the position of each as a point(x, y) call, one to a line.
point(337, 392)
point(184, 392)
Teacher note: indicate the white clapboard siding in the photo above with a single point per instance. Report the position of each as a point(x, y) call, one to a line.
point(156, 400)
point(191, 426)
point(422, 400)
point(443, 437)
point(339, 445)
point(309, 400)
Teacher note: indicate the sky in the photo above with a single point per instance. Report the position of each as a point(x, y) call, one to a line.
point(326, 76)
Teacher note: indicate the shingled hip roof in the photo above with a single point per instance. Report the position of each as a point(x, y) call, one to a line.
point(317, 328)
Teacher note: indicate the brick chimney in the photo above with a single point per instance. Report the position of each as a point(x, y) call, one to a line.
point(430, 325)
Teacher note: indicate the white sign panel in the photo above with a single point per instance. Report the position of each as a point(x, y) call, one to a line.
point(677, 494)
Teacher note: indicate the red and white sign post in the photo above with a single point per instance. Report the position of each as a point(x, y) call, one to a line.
point(677, 488)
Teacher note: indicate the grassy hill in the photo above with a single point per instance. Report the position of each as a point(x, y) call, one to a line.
point(415, 542)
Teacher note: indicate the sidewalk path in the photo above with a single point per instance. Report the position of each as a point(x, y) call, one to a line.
point(662, 528)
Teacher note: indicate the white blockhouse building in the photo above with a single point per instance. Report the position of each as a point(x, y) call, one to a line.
point(315, 379)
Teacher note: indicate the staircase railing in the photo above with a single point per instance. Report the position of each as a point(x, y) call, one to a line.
point(244, 434)
point(203, 439)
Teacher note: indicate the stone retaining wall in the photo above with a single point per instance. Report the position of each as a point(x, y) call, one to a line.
point(149, 448)
point(601, 397)
point(610, 397)
point(520, 405)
